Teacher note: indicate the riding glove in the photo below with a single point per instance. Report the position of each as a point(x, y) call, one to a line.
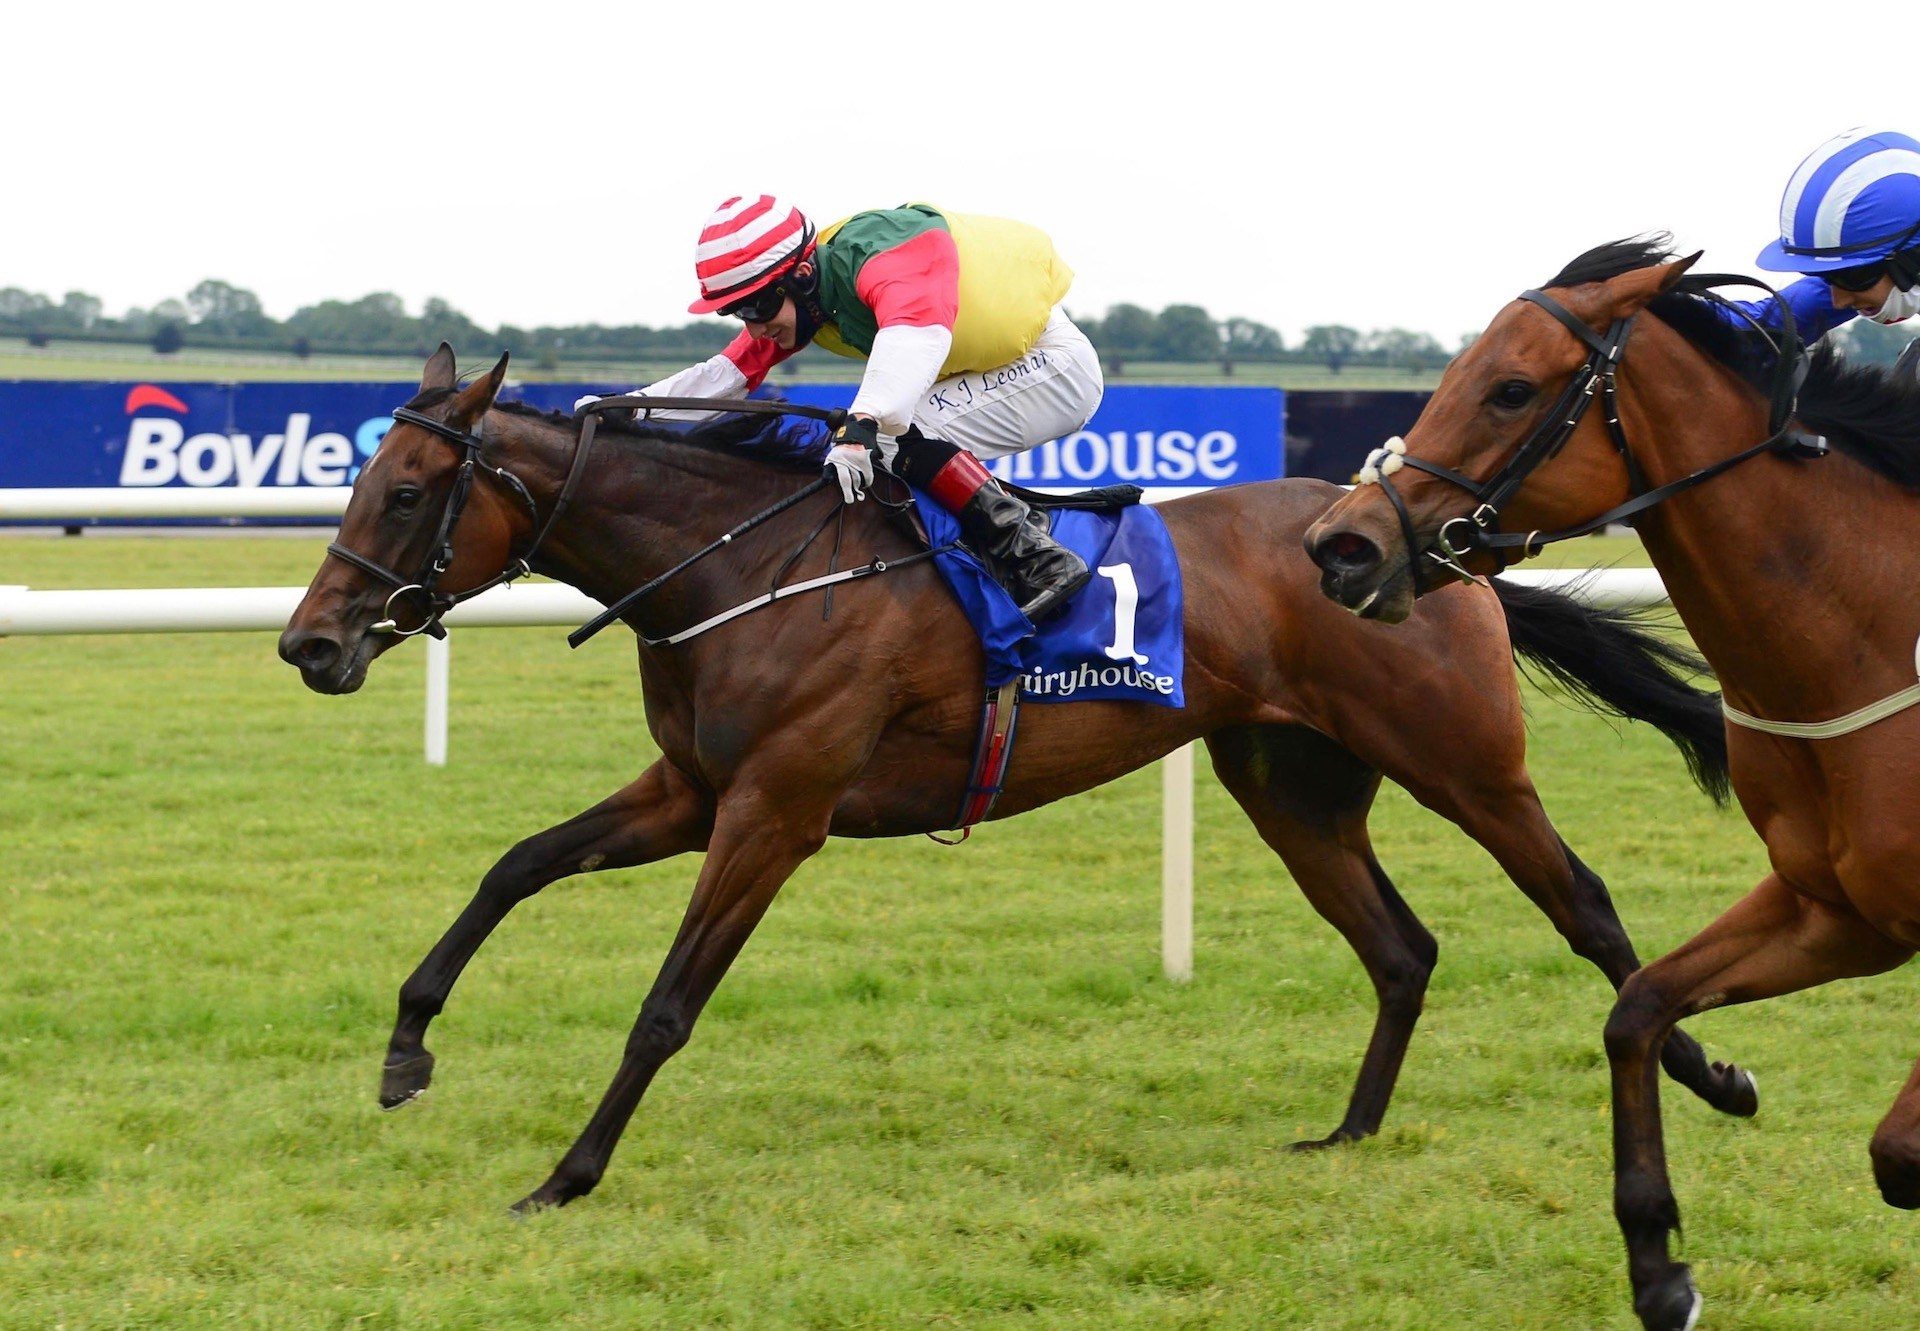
point(855, 445)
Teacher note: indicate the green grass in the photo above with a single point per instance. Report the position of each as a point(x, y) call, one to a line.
point(942, 1088)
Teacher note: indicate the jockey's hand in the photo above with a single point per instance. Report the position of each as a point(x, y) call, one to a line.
point(586, 401)
point(855, 445)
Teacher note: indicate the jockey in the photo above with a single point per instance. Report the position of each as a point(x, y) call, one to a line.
point(968, 356)
point(1850, 221)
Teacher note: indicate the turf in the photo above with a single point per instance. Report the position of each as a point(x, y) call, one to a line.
point(942, 1088)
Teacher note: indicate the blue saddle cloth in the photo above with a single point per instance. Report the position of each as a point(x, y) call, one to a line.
point(1121, 636)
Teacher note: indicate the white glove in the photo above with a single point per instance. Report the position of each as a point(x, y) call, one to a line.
point(591, 398)
point(852, 466)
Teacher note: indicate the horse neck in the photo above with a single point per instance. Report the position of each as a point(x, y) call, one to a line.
point(640, 507)
point(1780, 567)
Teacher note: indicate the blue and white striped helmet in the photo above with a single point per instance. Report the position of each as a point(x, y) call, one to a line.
point(1855, 199)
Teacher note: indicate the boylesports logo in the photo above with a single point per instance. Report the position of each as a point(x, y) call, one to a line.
point(159, 451)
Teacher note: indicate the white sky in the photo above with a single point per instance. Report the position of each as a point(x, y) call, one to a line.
point(1364, 163)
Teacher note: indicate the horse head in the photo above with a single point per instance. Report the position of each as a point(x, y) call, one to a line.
point(1510, 408)
point(426, 522)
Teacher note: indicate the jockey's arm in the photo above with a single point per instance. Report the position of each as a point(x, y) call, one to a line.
point(1811, 300)
point(735, 372)
point(913, 290)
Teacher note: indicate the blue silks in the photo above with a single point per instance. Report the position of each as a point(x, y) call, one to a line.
point(1814, 313)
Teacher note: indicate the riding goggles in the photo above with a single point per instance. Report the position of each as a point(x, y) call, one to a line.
point(759, 306)
point(1862, 278)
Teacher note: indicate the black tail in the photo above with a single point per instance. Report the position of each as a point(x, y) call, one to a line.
point(1613, 663)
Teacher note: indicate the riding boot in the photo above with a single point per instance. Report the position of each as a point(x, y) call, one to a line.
point(1015, 538)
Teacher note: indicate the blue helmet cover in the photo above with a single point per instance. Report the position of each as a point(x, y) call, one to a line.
point(1854, 200)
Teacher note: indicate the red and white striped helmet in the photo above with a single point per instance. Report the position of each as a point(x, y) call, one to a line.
point(748, 242)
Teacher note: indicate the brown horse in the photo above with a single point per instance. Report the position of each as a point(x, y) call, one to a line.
point(783, 728)
point(1805, 619)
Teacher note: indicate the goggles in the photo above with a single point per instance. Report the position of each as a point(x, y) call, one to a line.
point(759, 306)
point(1862, 278)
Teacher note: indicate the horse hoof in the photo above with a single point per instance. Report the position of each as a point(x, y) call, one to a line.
point(1899, 1183)
point(1742, 1099)
point(544, 1198)
point(405, 1080)
point(1671, 1305)
point(1338, 1137)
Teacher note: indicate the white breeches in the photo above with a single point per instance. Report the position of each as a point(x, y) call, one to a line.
point(1051, 391)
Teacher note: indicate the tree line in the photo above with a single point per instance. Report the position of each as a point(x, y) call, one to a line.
point(219, 315)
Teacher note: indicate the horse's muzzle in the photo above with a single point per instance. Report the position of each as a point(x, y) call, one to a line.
point(324, 663)
point(1356, 573)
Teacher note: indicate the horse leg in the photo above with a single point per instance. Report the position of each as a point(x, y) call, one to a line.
point(1508, 820)
point(1772, 941)
point(1896, 1149)
point(758, 841)
point(658, 815)
point(1309, 798)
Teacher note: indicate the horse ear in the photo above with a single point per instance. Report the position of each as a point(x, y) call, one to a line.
point(1632, 292)
point(439, 371)
point(477, 396)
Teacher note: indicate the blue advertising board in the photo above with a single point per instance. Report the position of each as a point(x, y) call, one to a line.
point(63, 434)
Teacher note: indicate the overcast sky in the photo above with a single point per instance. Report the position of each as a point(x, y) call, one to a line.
point(1369, 164)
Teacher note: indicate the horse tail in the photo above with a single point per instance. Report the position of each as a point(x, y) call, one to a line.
point(1613, 664)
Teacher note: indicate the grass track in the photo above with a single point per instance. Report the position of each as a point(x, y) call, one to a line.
point(941, 1088)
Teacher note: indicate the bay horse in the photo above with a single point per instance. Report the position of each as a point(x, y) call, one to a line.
point(1791, 560)
point(782, 728)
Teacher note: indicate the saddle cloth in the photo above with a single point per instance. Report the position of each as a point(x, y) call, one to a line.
point(1121, 637)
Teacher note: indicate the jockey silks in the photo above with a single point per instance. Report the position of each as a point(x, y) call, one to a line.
point(993, 282)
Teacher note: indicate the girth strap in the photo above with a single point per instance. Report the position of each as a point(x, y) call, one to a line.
point(999, 713)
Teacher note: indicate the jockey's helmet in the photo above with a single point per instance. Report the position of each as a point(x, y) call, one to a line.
point(750, 243)
point(1854, 201)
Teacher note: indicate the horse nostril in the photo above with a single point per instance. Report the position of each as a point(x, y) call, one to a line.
point(1346, 552)
point(309, 651)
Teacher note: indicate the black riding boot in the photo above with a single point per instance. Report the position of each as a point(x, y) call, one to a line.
point(1015, 539)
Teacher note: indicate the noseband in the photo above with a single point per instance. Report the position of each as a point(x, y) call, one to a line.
point(433, 603)
point(1461, 536)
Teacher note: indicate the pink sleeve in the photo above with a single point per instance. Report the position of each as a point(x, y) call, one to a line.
point(754, 356)
point(916, 282)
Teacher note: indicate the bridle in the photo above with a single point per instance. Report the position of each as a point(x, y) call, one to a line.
point(434, 603)
point(1595, 379)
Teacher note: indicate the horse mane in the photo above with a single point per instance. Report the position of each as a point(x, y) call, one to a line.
point(1863, 410)
point(729, 435)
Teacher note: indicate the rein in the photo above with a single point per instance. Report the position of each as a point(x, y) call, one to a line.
point(435, 604)
point(1595, 379)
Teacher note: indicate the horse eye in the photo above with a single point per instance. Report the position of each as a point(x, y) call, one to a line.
point(1513, 393)
point(405, 498)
